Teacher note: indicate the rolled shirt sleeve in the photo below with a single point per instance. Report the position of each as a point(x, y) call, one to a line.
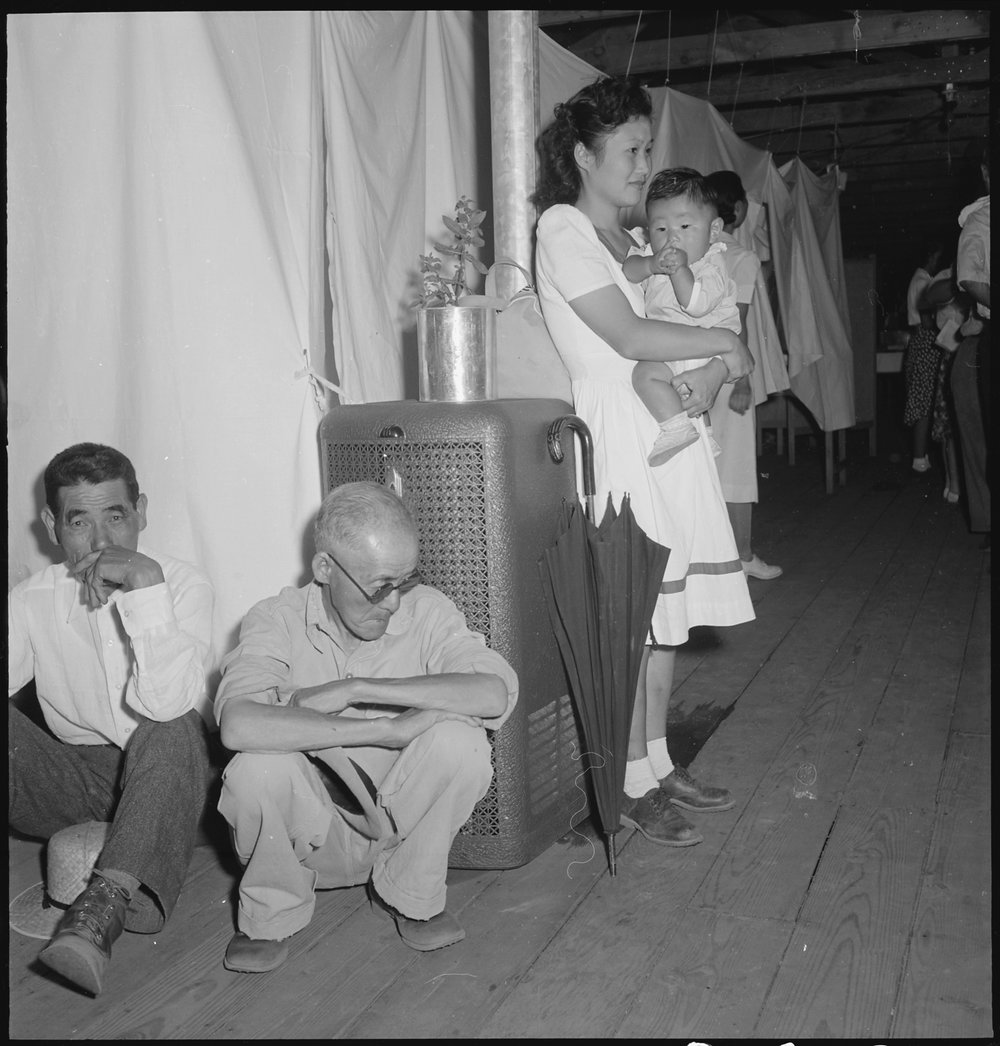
point(459, 649)
point(261, 665)
point(170, 633)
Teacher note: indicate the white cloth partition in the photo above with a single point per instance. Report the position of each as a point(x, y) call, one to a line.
point(165, 278)
point(400, 94)
point(827, 386)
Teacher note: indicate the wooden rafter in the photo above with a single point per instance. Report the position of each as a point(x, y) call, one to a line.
point(865, 112)
point(575, 17)
point(612, 50)
point(863, 78)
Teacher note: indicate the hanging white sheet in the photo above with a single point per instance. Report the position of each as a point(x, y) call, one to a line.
point(401, 93)
point(827, 386)
point(165, 281)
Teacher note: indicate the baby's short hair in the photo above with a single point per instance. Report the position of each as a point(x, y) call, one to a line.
point(681, 181)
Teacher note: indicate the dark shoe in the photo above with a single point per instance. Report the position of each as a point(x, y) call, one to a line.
point(684, 791)
point(655, 816)
point(425, 935)
point(81, 948)
point(245, 955)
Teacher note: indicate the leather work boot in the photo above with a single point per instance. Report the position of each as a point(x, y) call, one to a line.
point(684, 791)
point(658, 820)
point(81, 947)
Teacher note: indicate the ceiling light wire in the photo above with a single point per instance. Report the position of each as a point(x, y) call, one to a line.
point(711, 64)
point(635, 37)
point(666, 80)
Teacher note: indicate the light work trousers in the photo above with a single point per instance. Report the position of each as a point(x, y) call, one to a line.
point(293, 839)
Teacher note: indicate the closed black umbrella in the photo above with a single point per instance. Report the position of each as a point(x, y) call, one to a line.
point(601, 584)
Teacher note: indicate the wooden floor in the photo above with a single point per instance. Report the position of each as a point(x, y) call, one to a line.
point(847, 895)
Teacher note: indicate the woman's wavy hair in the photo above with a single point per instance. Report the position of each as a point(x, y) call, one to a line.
point(589, 117)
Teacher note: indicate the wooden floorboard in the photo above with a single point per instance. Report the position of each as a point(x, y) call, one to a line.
point(710, 979)
point(846, 895)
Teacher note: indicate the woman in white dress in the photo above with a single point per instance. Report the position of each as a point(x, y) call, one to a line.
point(594, 163)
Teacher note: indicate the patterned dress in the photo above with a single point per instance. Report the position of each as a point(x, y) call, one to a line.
point(921, 366)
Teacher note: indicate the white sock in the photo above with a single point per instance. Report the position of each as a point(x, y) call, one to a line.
point(639, 778)
point(678, 423)
point(659, 758)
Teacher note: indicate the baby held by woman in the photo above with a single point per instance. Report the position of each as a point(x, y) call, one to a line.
point(684, 281)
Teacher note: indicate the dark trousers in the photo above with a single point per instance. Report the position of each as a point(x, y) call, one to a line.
point(972, 440)
point(984, 359)
point(153, 794)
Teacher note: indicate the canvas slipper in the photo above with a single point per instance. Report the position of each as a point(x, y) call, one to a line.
point(245, 955)
point(424, 935)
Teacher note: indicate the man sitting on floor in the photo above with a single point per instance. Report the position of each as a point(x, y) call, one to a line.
point(357, 705)
point(117, 640)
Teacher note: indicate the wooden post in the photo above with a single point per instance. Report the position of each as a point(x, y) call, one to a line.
point(513, 46)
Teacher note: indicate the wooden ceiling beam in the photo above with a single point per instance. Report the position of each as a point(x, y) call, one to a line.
point(563, 18)
point(902, 188)
point(614, 50)
point(873, 139)
point(934, 161)
point(867, 113)
point(862, 78)
point(872, 150)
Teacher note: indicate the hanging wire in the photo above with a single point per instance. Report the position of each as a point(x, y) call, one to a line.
point(857, 33)
point(711, 64)
point(739, 81)
point(774, 110)
point(666, 80)
point(770, 130)
point(802, 120)
point(635, 37)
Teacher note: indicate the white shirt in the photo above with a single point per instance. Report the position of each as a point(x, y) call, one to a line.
point(918, 282)
point(144, 653)
point(972, 262)
point(713, 297)
point(742, 265)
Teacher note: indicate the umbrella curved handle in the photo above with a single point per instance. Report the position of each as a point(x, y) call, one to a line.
point(554, 439)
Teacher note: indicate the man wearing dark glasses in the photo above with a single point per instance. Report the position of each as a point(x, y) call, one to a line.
point(358, 706)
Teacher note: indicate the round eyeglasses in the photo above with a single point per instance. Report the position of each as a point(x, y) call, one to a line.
point(383, 591)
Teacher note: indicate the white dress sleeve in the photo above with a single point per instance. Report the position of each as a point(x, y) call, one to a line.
point(570, 254)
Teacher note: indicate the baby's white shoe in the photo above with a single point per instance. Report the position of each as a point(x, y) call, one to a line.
point(675, 434)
